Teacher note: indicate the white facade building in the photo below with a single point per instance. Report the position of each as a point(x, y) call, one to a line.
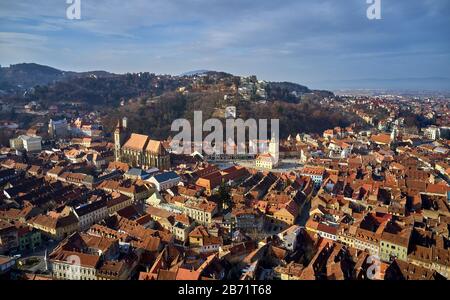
point(165, 181)
point(28, 143)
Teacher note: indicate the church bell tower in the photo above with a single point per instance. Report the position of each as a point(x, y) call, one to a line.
point(120, 135)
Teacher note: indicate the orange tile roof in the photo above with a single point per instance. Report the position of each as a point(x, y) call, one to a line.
point(136, 142)
point(313, 170)
point(383, 139)
point(155, 147)
point(118, 166)
point(85, 260)
point(185, 274)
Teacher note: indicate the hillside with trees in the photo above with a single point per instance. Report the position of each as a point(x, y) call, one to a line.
point(151, 102)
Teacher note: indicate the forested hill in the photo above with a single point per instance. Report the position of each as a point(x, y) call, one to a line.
point(21, 77)
point(152, 102)
point(33, 82)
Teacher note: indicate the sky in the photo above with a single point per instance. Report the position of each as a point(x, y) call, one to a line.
point(319, 43)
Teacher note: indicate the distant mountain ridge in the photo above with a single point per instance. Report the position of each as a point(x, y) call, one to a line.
point(34, 82)
point(28, 75)
point(25, 76)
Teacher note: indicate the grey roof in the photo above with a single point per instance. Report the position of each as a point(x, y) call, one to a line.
point(166, 176)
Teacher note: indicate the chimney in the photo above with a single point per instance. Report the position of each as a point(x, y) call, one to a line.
point(125, 122)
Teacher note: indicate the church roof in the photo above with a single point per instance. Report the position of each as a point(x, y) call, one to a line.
point(140, 142)
point(136, 142)
point(155, 147)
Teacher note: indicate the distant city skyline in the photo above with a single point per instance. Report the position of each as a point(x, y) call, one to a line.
point(323, 44)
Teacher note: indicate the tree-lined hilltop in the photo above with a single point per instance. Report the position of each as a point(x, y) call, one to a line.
point(151, 102)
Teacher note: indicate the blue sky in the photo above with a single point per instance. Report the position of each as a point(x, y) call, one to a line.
point(314, 42)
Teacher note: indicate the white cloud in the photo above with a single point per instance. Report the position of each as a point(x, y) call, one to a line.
point(288, 39)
